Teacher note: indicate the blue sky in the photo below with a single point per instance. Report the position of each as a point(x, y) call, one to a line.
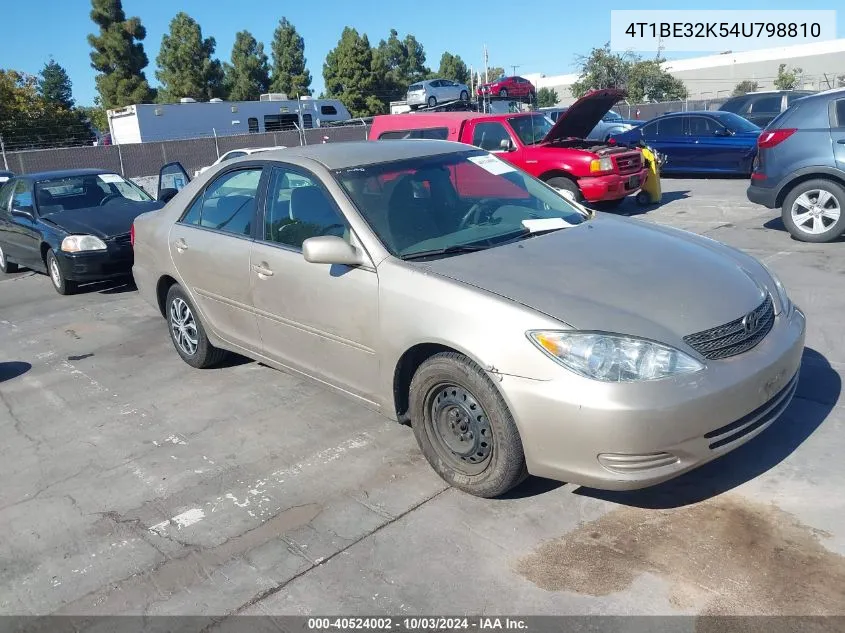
point(537, 36)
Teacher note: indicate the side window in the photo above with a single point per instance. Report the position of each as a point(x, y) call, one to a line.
point(5, 197)
point(840, 114)
point(671, 126)
point(307, 122)
point(766, 104)
point(735, 105)
point(298, 208)
point(489, 136)
point(22, 197)
point(437, 133)
point(328, 109)
point(650, 131)
point(228, 203)
point(703, 126)
point(252, 122)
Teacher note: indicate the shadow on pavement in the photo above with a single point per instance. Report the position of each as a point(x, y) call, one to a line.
point(818, 392)
point(13, 369)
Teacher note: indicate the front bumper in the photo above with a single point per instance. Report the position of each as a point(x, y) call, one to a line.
point(113, 263)
point(633, 435)
point(762, 195)
point(612, 186)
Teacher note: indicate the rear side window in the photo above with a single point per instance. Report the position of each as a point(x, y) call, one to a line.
point(766, 104)
point(436, 133)
point(840, 114)
point(735, 105)
point(670, 126)
point(328, 109)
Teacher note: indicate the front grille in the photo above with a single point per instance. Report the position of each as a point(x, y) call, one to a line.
point(629, 163)
point(733, 338)
point(754, 420)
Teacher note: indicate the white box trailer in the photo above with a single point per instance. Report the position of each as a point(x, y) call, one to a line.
point(147, 122)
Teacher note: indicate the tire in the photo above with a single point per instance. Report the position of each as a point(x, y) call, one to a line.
point(815, 224)
point(464, 95)
point(566, 184)
point(503, 92)
point(432, 101)
point(5, 265)
point(450, 389)
point(54, 270)
point(179, 310)
point(643, 198)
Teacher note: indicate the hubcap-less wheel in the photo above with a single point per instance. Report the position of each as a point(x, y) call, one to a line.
point(55, 273)
point(183, 326)
point(815, 211)
point(460, 428)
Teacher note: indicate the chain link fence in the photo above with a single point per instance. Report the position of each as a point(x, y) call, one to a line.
point(145, 159)
point(650, 110)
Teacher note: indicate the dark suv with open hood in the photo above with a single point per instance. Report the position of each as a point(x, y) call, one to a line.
point(556, 153)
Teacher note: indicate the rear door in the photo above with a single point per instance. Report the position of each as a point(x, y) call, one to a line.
point(668, 136)
point(837, 131)
point(210, 247)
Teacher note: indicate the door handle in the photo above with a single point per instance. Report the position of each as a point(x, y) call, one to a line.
point(841, 141)
point(262, 270)
point(181, 245)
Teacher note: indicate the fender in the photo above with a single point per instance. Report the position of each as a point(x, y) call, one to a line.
point(785, 184)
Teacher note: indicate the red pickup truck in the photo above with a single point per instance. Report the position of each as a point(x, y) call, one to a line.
point(553, 152)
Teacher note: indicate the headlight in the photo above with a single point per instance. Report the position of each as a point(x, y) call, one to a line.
point(612, 357)
point(80, 243)
point(783, 299)
point(601, 164)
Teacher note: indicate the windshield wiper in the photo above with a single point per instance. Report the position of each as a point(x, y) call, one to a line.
point(449, 250)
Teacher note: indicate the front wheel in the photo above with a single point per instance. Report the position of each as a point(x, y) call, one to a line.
point(5, 265)
point(812, 212)
point(464, 428)
point(187, 333)
point(565, 184)
point(63, 286)
point(503, 92)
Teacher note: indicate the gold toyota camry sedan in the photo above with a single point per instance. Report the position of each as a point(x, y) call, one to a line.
point(516, 331)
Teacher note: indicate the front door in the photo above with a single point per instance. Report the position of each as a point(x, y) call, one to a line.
point(490, 135)
point(23, 238)
point(319, 319)
point(210, 247)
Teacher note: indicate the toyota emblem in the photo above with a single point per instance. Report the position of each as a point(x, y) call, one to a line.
point(750, 322)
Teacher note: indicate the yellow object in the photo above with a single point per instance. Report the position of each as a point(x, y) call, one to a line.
point(651, 192)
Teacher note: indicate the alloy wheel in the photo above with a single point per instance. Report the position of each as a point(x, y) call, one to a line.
point(460, 429)
point(815, 211)
point(183, 326)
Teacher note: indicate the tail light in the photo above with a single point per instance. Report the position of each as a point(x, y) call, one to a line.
point(132, 236)
point(770, 138)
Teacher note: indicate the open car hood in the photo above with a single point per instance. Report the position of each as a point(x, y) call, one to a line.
point(581, 117)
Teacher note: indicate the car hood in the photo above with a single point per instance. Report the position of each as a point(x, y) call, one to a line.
point(105, 222)
point(581, 117)
point(618, 275)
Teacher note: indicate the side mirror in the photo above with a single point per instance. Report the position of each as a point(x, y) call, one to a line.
point(330, 249)
point(23, 212)
point(506, 144)
point(167, 194)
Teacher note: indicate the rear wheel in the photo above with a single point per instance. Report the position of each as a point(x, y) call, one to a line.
point(432, 101)
point(5, 265)
point(464, 428)
point(565, 184)
point(63, 286)
point(464, 95)
point(812, 212)
point(187, 333)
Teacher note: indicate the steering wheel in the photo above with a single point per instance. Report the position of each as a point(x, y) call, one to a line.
point(475, 212)
point(109, 198)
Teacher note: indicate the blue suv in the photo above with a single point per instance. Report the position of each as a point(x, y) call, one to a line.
point(800, 167)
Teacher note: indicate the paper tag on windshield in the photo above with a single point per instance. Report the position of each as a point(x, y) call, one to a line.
point(110, 178)
point(545, 224)
point(492, 164)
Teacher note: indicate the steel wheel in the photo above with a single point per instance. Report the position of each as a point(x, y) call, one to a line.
point(183, 327)
point(815, 211)
point(460, 429)
point(55, 273)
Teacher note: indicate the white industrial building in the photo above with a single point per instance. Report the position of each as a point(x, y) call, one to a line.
point(715, 76)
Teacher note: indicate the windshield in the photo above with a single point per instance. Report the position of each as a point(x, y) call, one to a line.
point(84, 192)
point(462, 199)
point(612, 116)
point(736, 123)
point(531, 129)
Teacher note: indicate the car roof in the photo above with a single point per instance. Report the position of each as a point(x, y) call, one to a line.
point(357, 153)
point(65, 173)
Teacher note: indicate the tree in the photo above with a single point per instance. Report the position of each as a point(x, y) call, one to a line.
point(397, 63)
point(185, 65)
point(453, 67)
point(547, 97)
point(289, 73)
point(648, 81)
point(118, 55)
point(787, 79)
point(348, 74)
point(493, 72)
point(248, 76)
point(745, 86)
point(55, 86)
point(96, 116)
